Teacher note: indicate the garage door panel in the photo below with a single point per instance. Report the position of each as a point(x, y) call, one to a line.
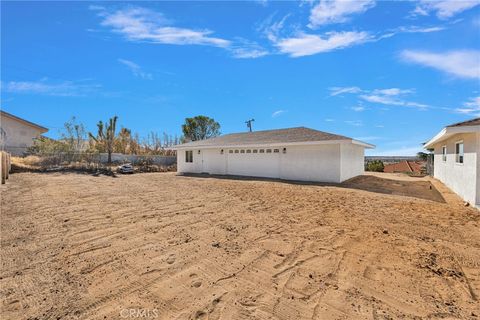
point(261, 165)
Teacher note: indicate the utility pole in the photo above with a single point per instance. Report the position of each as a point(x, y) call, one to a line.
point(249, 124)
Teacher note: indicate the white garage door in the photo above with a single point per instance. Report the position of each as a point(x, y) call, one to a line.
point(254, 162)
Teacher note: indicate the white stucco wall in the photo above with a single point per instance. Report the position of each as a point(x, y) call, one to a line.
point(352, 161)
point(312, 163)
point(18, 135)
point(463, 179)
point(324, 162)
point(478, 171)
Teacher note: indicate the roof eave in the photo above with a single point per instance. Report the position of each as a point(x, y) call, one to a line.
point(363, 144)
point(276, 144)
point(32, 124)
point(447, 132)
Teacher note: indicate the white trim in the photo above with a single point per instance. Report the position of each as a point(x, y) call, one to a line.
point(444, 155)
point(448, 132)
point(280, 144)
point(463, 155)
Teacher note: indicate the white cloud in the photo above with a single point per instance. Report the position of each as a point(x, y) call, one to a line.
point(246, 49)
point(277, 113)
point(389, 96)
point(444, 9)
point(308, 44)
point(355, 123)
point(291, 40)
point(358, 108)
point(392, 91)
point(329, 120)
point(44, 87)
point(471, 107)
point(94, 7)
point(417, 29)
point(246, 53)
point(460, 63)
point(136, 69)
point(337, 11)
point(334, 91)
point(140, 24)
point(392, 101)
point(263, 3)
point(144, 25)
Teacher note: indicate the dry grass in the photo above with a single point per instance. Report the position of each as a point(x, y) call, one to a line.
point(42, 164)
point(83, 247)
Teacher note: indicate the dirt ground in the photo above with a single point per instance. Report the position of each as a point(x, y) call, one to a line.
point(161, 246)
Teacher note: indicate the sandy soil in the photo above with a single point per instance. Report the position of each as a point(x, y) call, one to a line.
point(162, 246)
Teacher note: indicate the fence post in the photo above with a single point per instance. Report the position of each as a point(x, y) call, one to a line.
point(7, 165)
point(4, 167)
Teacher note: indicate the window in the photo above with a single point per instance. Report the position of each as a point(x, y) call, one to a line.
point(189, 156)
point(459, 152)
point(236, 151)
point(444, 153)
point(230, 151)
point(262, 151)
point(198, 151)
point(276, 151)
point(255, 151)
point(284, 150)
point(249, 151)
point(269, 150)
point(242, 151)
point(221, 151)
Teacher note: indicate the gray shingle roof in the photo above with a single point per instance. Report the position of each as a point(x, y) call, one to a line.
point(472, 122)
point(288, 135)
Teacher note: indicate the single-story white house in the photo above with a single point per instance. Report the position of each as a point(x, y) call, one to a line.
point(17, 134)
point(457, 158)
point(291, 154)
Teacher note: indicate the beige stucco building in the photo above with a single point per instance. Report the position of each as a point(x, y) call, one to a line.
point(17, 134)
point(457, 159)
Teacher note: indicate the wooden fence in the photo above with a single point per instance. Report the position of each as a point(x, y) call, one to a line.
point(5, 166)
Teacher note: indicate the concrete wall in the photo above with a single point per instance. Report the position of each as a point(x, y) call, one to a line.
point(18, 135)
point(132, 158)
point(324, 162)
point(463, 179)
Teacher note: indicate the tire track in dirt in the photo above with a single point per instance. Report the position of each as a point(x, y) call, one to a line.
point(86, 248)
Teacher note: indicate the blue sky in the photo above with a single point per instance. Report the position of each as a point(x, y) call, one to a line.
point(390, 73)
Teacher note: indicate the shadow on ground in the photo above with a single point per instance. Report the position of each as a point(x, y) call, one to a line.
point(416, 189)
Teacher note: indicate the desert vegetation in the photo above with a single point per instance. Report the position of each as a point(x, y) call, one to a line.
point(79, 150)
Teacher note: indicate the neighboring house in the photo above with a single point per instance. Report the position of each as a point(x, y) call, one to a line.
point(17, 134)
point(405, 166)
point(291, 154)
point(457, 158)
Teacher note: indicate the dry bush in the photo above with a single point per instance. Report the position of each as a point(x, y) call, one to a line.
point(27, 161)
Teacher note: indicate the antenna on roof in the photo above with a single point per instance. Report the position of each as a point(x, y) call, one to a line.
point(249, 124)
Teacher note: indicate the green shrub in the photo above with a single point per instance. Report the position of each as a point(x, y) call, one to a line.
point(375, 165)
